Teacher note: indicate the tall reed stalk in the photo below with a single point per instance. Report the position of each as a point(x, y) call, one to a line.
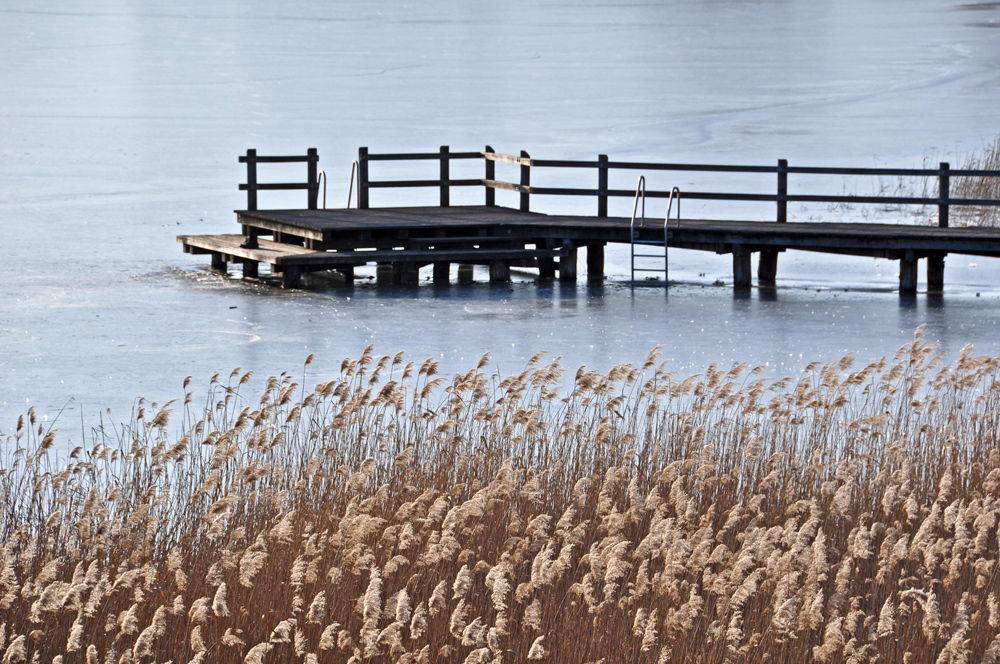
point(391, 515)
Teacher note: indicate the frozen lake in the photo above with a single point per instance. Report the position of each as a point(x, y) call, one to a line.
point(120, 127)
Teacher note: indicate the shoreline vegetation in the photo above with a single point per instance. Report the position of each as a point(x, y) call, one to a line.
point(849, 514)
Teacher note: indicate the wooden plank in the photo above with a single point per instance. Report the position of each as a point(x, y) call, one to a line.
point(268, 251)
point(313, 260)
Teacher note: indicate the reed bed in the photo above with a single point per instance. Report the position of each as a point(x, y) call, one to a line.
point(844, 515)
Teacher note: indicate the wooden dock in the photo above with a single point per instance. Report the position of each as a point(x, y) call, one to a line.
point(404, 239)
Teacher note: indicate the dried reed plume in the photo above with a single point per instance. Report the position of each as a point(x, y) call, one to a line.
point(634, 516)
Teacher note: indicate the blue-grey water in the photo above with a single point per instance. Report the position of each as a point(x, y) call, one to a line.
point(120, 126)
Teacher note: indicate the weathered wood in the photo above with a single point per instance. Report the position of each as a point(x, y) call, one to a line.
point(767, 268)
point(525, 181)
point(595, 261)
point(908, 274)
point(406, 273)
point(291, 278)
point(444, 173)
point(465, 273)
point(499, 271)
point(741, 267)
point(250, 269)
point(567, 262)
point(218, 261)
point(312, 178)
point(935, 274)
point(782, 191)
point(442, 272)
point(943, 186)
point(251, 160)
point(363, 178)
point(602, 185)
point(491, 174)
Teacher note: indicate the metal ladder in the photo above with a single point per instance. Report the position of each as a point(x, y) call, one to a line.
point(647, 245)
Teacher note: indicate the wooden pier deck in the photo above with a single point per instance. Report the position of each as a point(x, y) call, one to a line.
point(408, 238)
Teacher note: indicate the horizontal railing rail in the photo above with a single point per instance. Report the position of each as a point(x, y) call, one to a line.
point(252, 186)
point(781, 197)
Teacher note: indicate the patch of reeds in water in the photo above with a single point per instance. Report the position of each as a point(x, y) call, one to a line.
point(634, 516)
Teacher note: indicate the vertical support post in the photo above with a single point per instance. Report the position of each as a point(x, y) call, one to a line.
point(546, 265)
point(943, 186)
point(567, 261)
point(935, 273)
point(602, 187)
point(782, 190)
point(767, 264)
point(445, 169)
point(363, 178)
point(250, 269)
point(525, 181)
point(491, 174)
point(767, 268)
point(251, 179)
point(313, 178)
point(741, 267)
point(595, 262)
point(442, 272)
point(908, 274)
point(499, 272)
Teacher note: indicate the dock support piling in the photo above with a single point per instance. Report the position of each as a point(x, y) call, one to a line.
point(741, 267)
point(595, 262)
point(935, 274)
point(499, 271)
point(250, 269)
point(908, 274)
point(465, 274)
point(567, 262)
point(218, 262)
point(291, 278)
point(767, 268)
point(442, 272)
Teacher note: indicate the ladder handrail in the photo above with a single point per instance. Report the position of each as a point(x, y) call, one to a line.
point(640, 187)
point(350, 186)
point(322, 176)
point(675, 194)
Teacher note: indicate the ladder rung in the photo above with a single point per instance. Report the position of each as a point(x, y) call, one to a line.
point(647, 269)
point(660, 256)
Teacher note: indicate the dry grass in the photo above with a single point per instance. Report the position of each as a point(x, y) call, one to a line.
point(392, 516)
point(981, 188)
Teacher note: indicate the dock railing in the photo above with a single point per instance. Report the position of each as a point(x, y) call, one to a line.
point(602, 192)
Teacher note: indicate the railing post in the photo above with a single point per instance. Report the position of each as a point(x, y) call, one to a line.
point(251, 179)
point(602, 185)
point(782, 190)
point(943, 185)
point(525, 181)
point(313, 178)
point(491, 174)
point(445, 163)
point(363, 178)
